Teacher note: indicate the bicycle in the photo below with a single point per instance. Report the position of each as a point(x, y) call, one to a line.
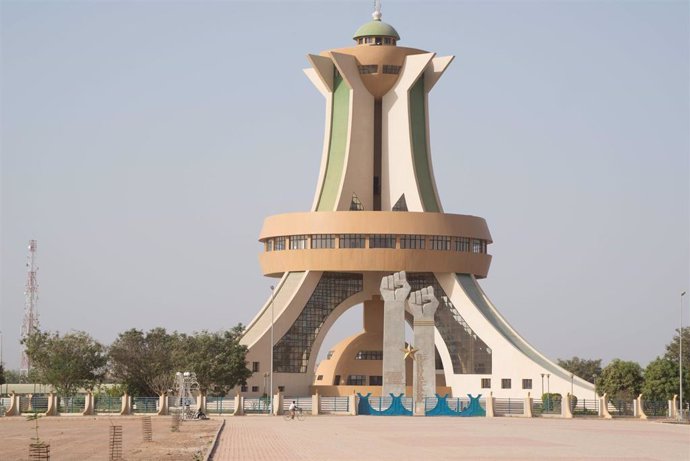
point(299, 415)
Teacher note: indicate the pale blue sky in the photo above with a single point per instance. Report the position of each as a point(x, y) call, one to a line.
point(143, 143)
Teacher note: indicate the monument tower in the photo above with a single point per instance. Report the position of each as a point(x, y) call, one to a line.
point(376, 211)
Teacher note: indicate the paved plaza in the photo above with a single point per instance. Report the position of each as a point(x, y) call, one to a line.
point(408, 438)
point(321, 438)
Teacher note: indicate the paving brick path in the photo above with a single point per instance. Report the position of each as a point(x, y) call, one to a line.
point(254, 438)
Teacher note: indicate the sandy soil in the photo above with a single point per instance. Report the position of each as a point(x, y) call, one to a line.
point(85, 438)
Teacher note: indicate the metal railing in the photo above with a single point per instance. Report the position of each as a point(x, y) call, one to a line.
point(334, 404)
point(220, 405)
point(585, 407)
point(144, 404)
point(655, 409)
point(302, 402)
point(621, 408)
point(74, 404)
point(508, 406)
point(37, 403)
point(107, 404)
point(256, 405)
point(383, 403)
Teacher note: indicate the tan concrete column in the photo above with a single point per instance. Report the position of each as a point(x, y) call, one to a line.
point(278, 404)
point(239, 405)
point(162, 404)
point(527, 412)
point(201, 402)
point(315, 404)
point(394, 291)
point(566, 411)
point(674, 406)
point(88, 404)
point(604, 407)
point(352, 404)
point(52, 405)
point(639, 403)
point(126, 408)
point(423, 305)
point(14, 409)
point(490, 405)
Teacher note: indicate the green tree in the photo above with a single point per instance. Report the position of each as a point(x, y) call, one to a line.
point(673, 347)
point(661, 380)
point(145, 363)
point(2, 374)
point(672, 350)
point(68, 362)
point(584, 368)
point(11, 376)
point(218, 359)
point(621, 380)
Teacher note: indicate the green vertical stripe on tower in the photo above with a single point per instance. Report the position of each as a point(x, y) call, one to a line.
point(336, 149)
point(419, 146)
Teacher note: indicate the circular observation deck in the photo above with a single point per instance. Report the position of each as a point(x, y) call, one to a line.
point(375, 241)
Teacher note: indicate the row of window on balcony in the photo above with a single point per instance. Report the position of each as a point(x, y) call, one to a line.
point(404, 242)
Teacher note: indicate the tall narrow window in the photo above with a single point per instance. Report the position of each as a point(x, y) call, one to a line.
point(462, 244)
point(279, 243)
point(401, 204)
point(440, 242)
point(356, 204)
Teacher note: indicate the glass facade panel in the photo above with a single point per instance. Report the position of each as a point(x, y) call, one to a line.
point(279, 243)
point(382, 241)
point(356, 380)
point(412, 242)
point(323, 241)
point(478, 246)
point(440, 242)
point(352, 241)
point(291, 353)
point(369, 355)
point(389, 69)
point(486, 383)
point(468, 353)
point(298, 242)
point(376, 380)
point(527, 384)
point(368, 69)
point(505, 383)
point(462, 244)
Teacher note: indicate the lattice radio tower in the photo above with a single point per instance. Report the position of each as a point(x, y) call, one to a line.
point(30, 322)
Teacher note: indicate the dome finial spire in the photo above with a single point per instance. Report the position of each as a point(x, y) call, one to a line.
point(377, 10)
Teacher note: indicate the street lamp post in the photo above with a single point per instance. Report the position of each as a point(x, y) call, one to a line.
point(572, 376)
point(680, 358)
point(542, 384)
point(548, 384)
point(270, 390)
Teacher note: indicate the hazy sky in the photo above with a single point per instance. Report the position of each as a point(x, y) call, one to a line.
point(143, 143)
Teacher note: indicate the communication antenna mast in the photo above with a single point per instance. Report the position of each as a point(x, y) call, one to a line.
point(30, 323)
